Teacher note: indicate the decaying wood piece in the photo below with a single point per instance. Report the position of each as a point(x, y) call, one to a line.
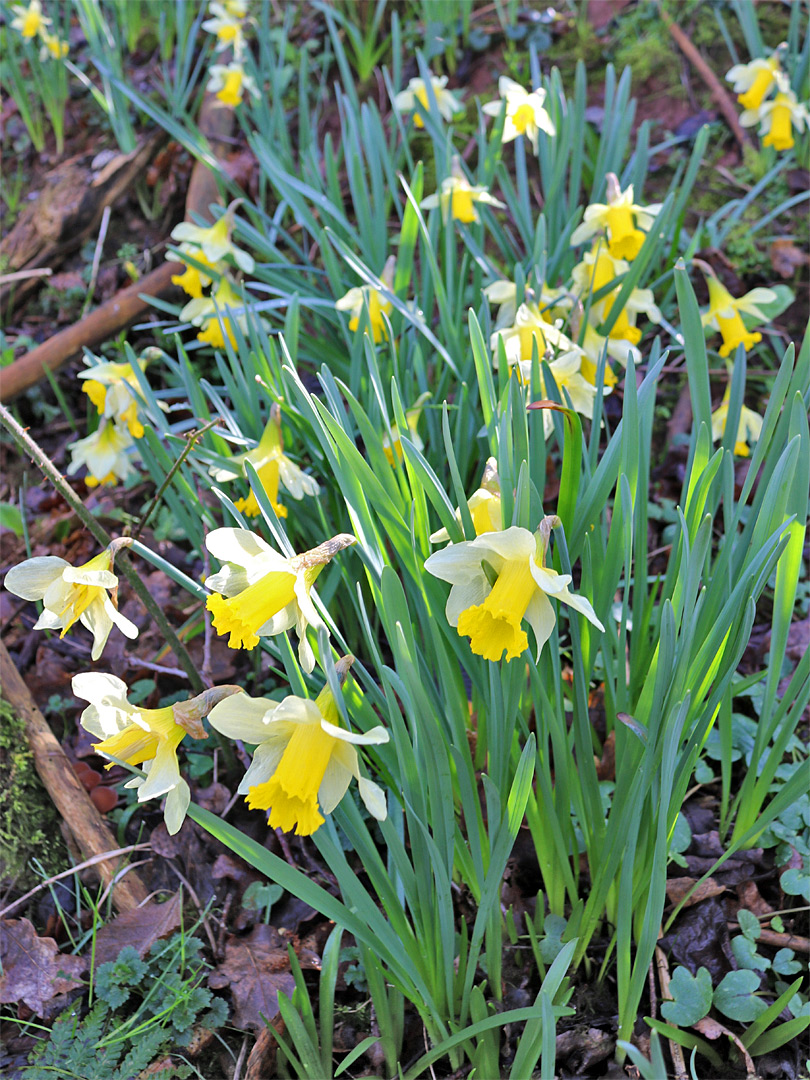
point(100, 325)
point(718, 91)
point(69, 796)
point(125, 307)
point(68, 209)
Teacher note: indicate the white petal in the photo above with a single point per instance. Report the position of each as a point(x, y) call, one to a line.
point(548, 580)
point(49, 620)
point(97, 620)
point(541, 616)
point(457, 563)
point(242, 717)
point(374, 798)
point(296, 710)
point(127, 628)
point(31, 578)
point(580, 604)
point(77, 575)
point(163, 773)
point(373, 737)
point(174, 813)
point(229, 580)
point(238, 546)
point(465, 595)
point(512, 543)
point(265, 762)
point(99, 687)
point(336, 779)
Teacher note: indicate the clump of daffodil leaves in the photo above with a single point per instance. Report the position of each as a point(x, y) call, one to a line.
point(409, 466)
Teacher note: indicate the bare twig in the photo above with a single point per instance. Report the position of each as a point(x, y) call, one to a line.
point(192, 438)
point(676, 1053)
point(94, 861)
point(46, 466)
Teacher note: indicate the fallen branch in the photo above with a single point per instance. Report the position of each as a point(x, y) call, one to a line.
point(66, 790)
point(716, 88)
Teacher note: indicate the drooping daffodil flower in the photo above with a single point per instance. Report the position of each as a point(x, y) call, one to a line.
point(71, 594)
point(193, 280)
point(778, 117)
point(491, 614)
point(215, 240)
point(147, 737)
point(620, 219)
point(416, 92)
point(457, 198)
point(484, 505)
point(749, 427)
point(753, 82)
point(392, 448)
point(227, 24)
point(531, 326)
point(724, 310)
point(304, 758)
point(29, 21)
point(230, 82)
point(105, 454)
point(113, 388)
point(378, 306)
point(525, 114)
point(273, 467)
point(214, 314)
point(260, 593)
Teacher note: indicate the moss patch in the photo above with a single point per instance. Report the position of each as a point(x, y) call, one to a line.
point(29, 824)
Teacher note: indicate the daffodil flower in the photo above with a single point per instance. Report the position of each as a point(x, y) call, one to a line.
point(113, 388)
point(215, 240)
point(304, 758)
point(207, 311)
point(620, 219)
point(29, 21)
point(393, 450)
point(525, 114)
point(71, 594)
point(192, 281)
point(260, 593)
point(723, 314)
point(749, 427)
point(491, 615)
point(777, 118)
point(593, 345)
point(378, 306)
point(446, 101)
point(597, 269)
point(531, 325)
point(104, 453)
point(52, 46)
point(229, 83)
point(227, 26)
point(567, 371)
point(458, 199)
point(147, 737)
point(272, 465)
point(753, 82)
point(484, 505)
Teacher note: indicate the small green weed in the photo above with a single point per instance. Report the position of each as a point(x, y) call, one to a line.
point(164, 1003)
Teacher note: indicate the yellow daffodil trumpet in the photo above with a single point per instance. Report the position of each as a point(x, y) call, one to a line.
point(304, 758)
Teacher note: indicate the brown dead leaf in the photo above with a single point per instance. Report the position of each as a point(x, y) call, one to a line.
point(786, 258)
point(255, 968)
point(750, 899)
point(31, 969)
point(140, 928)
point(606, 768)
point(262, 1060)
point(678, 887)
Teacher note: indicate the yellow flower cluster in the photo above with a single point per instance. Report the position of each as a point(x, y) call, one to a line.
point(30, 23)
point(778, 115)
point(210, 248)
point(114, 391)
point(229, 82)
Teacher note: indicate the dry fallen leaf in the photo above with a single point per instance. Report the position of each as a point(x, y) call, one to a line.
point(140, 928)
point(786, 258)
point(255, 968)
point(31, 969)
point(678, 887)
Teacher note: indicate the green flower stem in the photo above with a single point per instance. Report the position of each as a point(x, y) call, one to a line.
point(123, 563)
